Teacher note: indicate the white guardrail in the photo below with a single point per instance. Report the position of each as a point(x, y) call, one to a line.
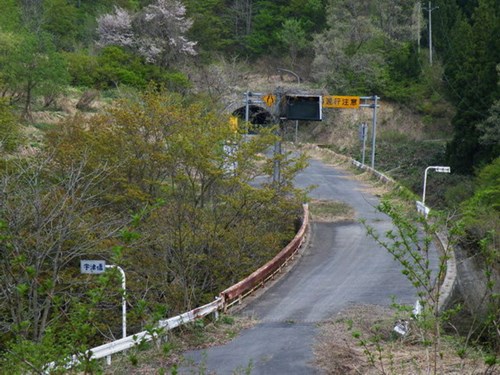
point(107, 350)
point(239, 290)
point(117, 346)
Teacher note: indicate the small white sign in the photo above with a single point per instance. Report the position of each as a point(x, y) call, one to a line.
point(92, 266)
point(422, 209)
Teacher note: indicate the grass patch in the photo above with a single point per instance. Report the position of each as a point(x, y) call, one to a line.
point(44, 126)
point(344, 346)
point(331, 211)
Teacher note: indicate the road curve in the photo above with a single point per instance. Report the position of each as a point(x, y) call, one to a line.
point(341, 267)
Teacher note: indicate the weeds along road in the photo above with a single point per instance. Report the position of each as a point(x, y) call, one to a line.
point(340, 268)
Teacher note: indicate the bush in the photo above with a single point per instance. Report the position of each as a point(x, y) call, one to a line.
point(115, 66)
point(10, 136)
point(82, 68)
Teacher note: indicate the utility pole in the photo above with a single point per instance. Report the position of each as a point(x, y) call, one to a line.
point(419, 15)
point(277, 144)
point(430, 9)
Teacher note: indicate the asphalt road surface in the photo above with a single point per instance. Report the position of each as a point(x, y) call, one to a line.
point(341, 267)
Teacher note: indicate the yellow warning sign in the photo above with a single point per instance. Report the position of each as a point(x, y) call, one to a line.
point(233, 123)
point(269, 99)
point(333, 101)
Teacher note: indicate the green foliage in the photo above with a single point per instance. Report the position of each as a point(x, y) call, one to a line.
point(51, 218)
point(82, 67)
point(10, 135)
point(268, 17)
point(31, 67)
point(114, 67)
point(10, 17)
point(210, 28)
point(311, 14)
point(490, 128)
point(171, 153)
point(488, 192)
point(403, 82)
point(250, 28)
point(293, 37)
point(481, 211)
point(360, 53)
point(61, 22)
point(471, 58)
point(410, 243)
point(71, 332)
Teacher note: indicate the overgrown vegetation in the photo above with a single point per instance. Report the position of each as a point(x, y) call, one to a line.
point(410, 244)
point(364, 342)
point(150, 185)
point(150, 177)
point(447, 337)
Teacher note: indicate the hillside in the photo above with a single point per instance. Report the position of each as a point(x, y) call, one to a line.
point(113, 145)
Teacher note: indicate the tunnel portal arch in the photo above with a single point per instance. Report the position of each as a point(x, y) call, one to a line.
point(259, 117)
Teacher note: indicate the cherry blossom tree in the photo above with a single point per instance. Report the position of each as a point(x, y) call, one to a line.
point(116, 29)
point(156, 32)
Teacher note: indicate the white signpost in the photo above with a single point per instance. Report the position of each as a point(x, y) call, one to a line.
point(421, 207)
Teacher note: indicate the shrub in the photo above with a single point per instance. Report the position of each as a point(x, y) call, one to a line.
point(10, 135)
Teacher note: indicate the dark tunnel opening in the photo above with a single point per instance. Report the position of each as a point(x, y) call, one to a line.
point(257, 116)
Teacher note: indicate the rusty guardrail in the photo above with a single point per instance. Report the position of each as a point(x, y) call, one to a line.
point(246, 286)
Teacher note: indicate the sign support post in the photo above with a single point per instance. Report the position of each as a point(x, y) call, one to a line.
point(374, 105)
point(363, 131)
point(124, 301)
point(374, 129)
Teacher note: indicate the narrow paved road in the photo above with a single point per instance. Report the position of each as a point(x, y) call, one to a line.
point(341, 267)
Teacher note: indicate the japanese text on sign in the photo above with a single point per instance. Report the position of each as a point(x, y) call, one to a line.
point(92, 266)
point(331, 101)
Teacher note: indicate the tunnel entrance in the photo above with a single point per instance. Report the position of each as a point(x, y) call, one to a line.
point(257, 116)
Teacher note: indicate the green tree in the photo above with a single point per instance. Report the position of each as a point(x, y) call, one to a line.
point(50, 216)
point(61, 21)
point(311, 13)
point(480, 239)
point(210, 28)
point(293, 36)
point(470, 69)
point(31, 68)
point(490, 129)
point(369, 47)
point(348, 54)
point(410, 244)
point(212, 226)
point(10, 17)
point(262, 37)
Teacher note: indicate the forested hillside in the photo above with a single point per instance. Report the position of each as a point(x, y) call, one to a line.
point(352, 48)
point(137, 170)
